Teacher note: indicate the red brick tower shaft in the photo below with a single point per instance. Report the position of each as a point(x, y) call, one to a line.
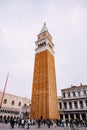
point(44, 103)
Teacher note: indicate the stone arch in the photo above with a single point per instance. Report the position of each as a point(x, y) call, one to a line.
point(5, 117)
point(1, 118)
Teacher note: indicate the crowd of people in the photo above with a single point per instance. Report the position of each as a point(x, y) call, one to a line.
point(23, 123)
point(26, 123)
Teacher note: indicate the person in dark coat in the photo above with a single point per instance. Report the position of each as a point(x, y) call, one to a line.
point(71, 124)
point(48, 123)
point(12, 123)
point(38, 123)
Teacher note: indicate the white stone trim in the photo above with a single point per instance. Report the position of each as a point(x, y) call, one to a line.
point(43, 48)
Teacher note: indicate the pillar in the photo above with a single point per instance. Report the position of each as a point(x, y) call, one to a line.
point(80, 116)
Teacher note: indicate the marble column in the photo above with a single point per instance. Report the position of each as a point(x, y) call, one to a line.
point(78, 104)
point(69, 116)
point(73, 105)
point(64, 117)
point(80, 116)
point(84, 104)
point(67, 105)
point(74, 116)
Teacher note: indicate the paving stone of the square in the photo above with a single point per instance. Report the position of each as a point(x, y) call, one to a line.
point(35, 127)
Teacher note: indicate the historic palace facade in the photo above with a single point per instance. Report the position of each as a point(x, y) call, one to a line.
point(73, 102)
point(13, 106)
point(44, 90)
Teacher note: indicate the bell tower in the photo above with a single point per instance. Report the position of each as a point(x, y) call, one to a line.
point(44, 102)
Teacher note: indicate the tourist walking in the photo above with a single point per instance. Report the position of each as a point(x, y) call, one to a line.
point(38, 123)
point(71, 124)
point(66, 124)
point(12, 123)
point(28, 123)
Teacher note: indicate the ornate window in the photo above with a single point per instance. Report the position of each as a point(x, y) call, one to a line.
point(19, 104)
point(60, 105)
point(70, 105)
point(78, 93)
point(68, 94)
point(84, 92)
point(64, 95)
point(65, 105)
point(75, 104)
point(25, 105)
point(13, 102)
point(81, 104)
point(5, 101)
point(73, 94)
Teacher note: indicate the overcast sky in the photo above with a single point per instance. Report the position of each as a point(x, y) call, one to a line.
point(21, 21)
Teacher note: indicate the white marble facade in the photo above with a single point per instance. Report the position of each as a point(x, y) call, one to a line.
point(73, 102)
point(12, 106)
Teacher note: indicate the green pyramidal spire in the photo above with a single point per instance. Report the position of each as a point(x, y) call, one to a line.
point(44, 29)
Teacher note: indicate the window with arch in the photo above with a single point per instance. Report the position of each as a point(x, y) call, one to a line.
point(25, 105)
point(5, 101)
point(13, 102)
point(73, 94)
point(60, 105)
point(81, 104)
point(75, 104)
point(78, 93)
point(64, 95)
point(84, 92)
point(68, 94)
point(70, 105)
point(19, 104)
point(65, 105)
